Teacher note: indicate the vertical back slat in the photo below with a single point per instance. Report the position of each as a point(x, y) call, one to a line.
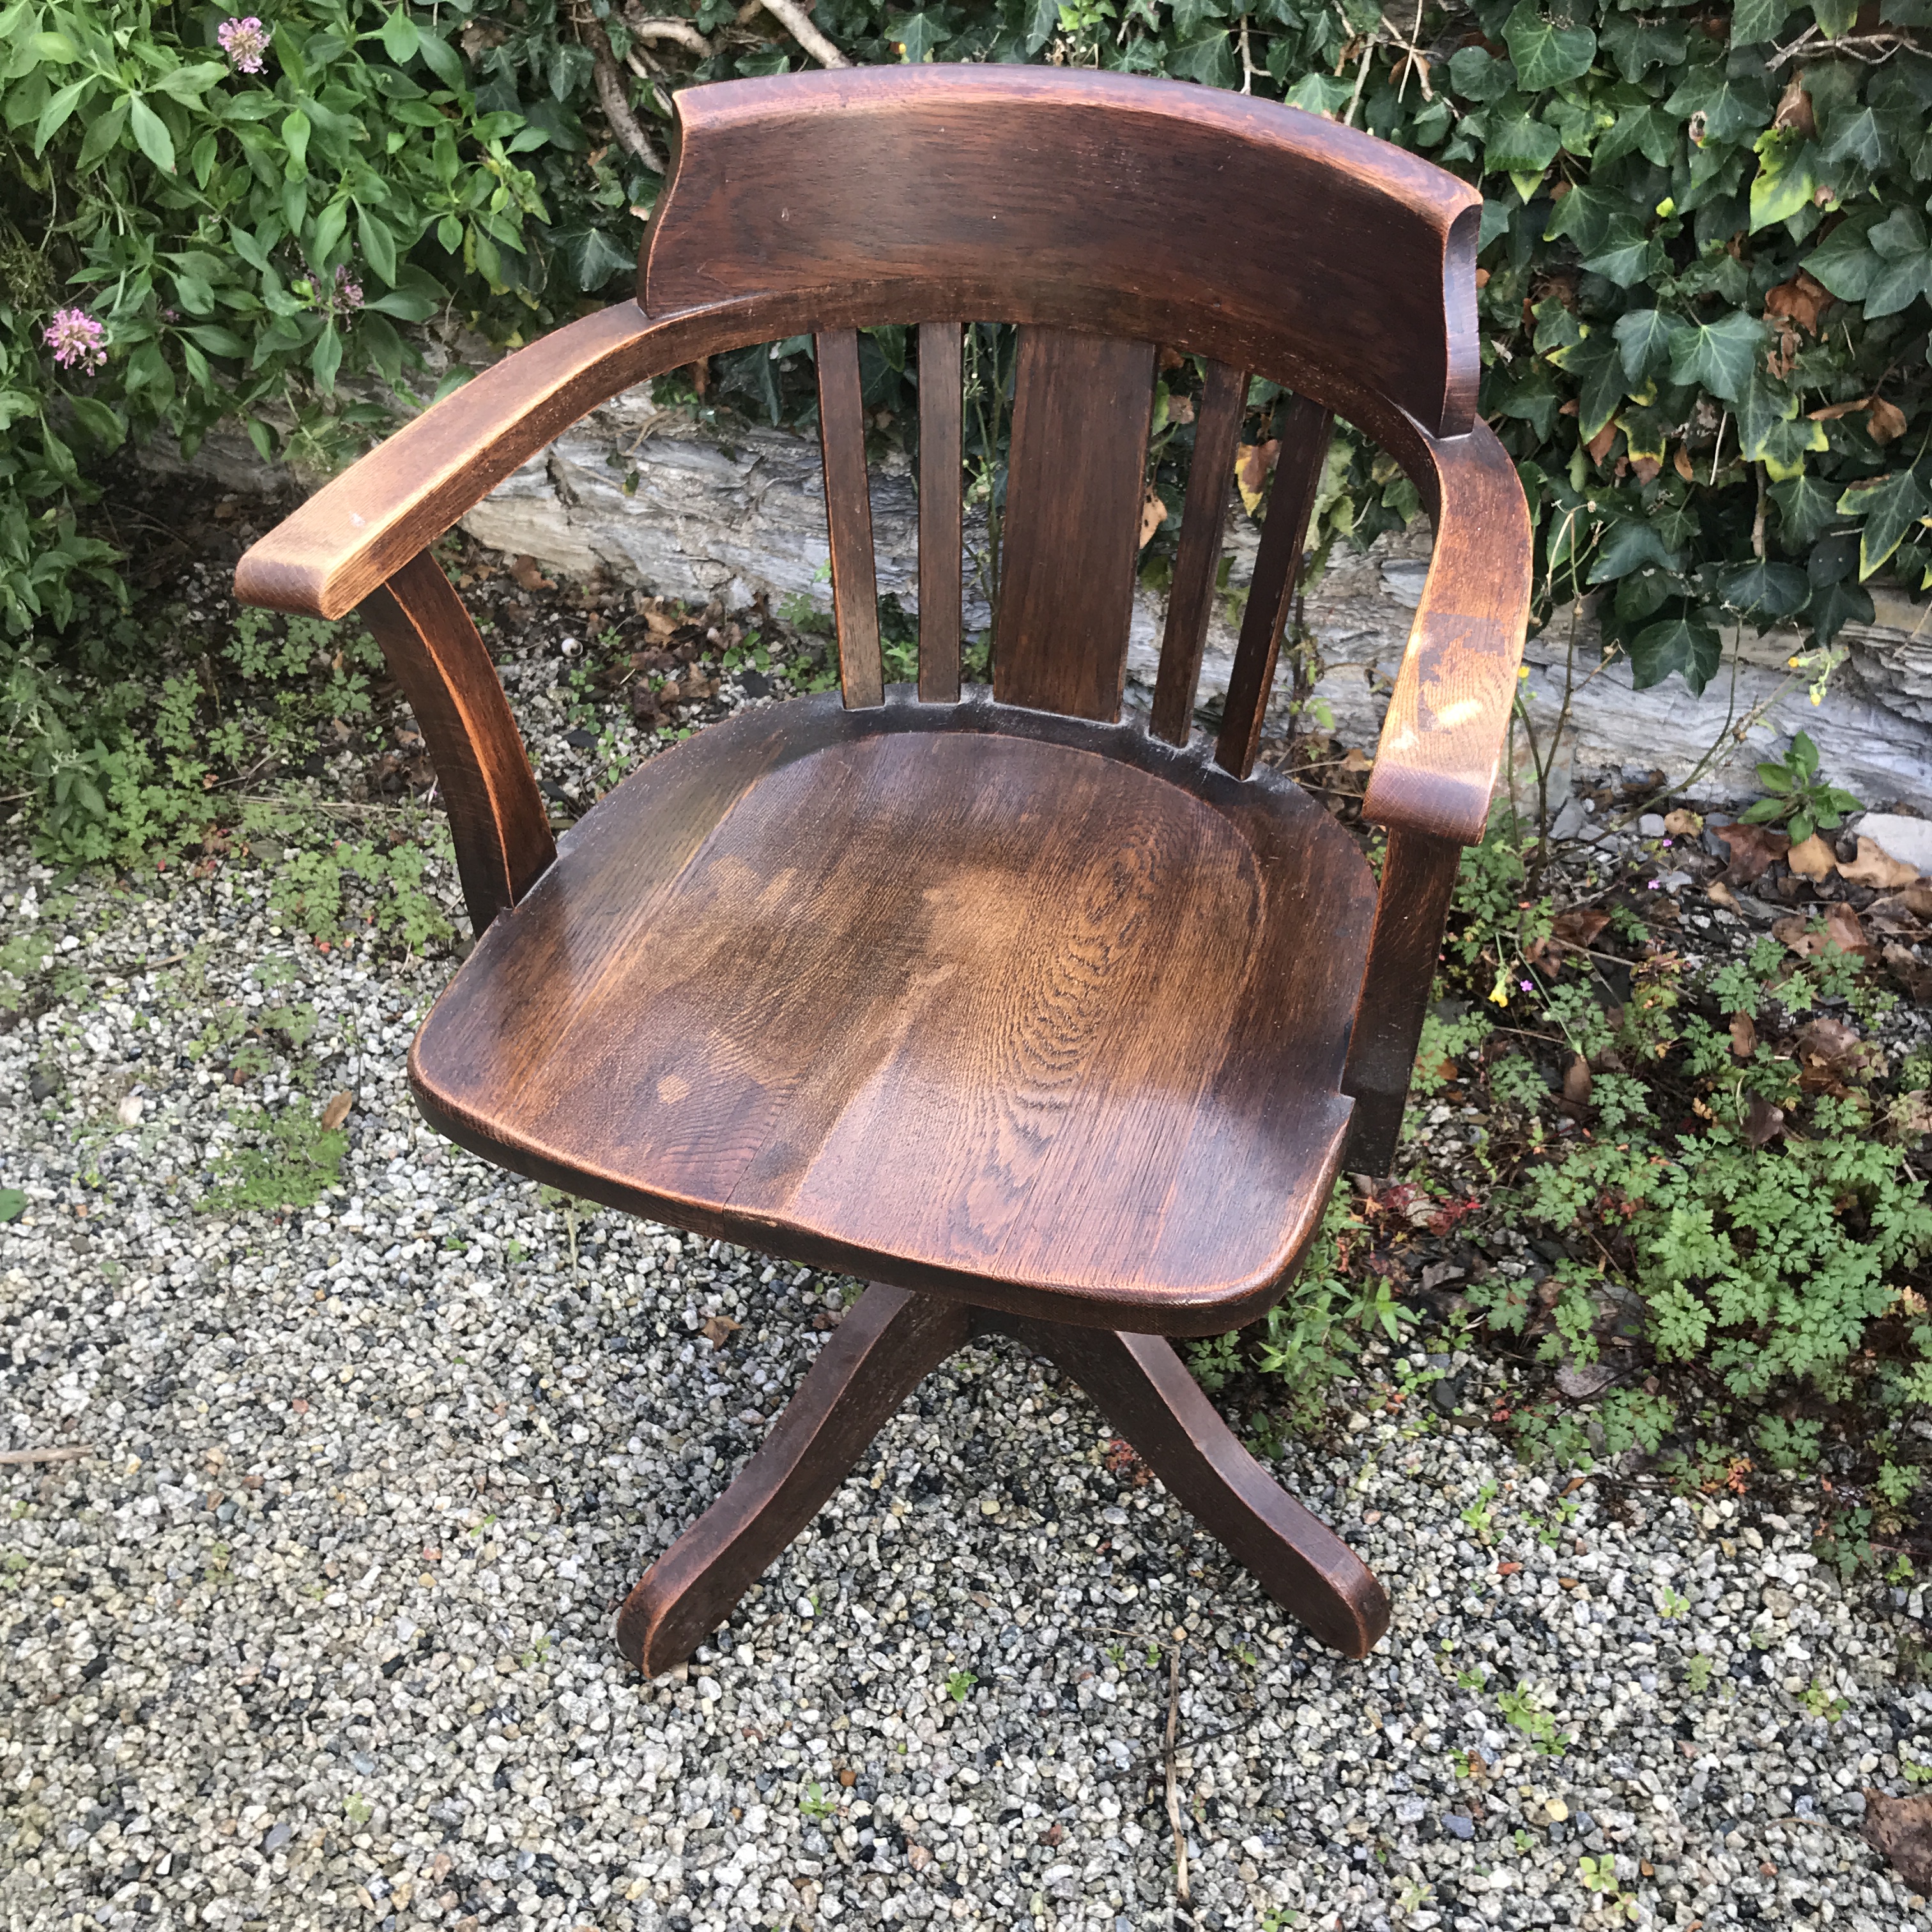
point(1304, 448)
point(848, 517)
point(1197, 564)
point(1082, 408)
point(941, 558)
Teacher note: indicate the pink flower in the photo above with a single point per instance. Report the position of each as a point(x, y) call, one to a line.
point(78, 341)
point(245, 42)
point(348, 291)
point(1528, 985)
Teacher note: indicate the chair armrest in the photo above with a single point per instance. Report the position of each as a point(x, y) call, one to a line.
point(1435, 766)
point(357, 530)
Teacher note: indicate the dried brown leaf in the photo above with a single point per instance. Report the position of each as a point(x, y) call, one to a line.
point(1884, 422)
point(1718, 893)
point(1900, 1830)
point(1743, 1035)
point(1914, 976)
point(527, 573)
point(337, 1112)
point(1154, 514)
point(718, 1329)
point(1812, 858)
point(1252, 462)
point(1682, 824)
point(1763, 1122)
point(1875, 866)
point(1753, 848)
point(1802, 299)
point(1577, 1082)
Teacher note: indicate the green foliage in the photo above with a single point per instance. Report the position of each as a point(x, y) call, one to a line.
point(1798, 796)
point(288, 1160)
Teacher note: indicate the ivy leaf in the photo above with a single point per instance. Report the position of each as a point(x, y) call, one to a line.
point(1890, 506)
point(1546, 54)
point(1834, 16)
point(1764, 589)
point(1834, 605)
point(1754, 22)
point(1769, 431)
point(1599, 371)
point(1190, 16)
point(1629, 545)
point(1730, 107)
point(1643, 336)
point(1209, 60)
point(1518, 144)
point(1042, 22)
point(1637, 45)
point(1845, 262)
point(1805, 505)
point(1785, 181)
point(1325, 94)
point(1716, 355)
point(920, 34)
point(1904, 267)
point(1686, 645)
point(1786, 445)
point(1860, 137)
point(593, 257)
point(1584, 215)
point(1646, 433)
point(1643, 128)
point(1625, 254)
point(150, 134)
point(1477, 75)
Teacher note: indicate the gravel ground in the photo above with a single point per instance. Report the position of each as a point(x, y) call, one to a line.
point(321, 1626)
point(317, 1632)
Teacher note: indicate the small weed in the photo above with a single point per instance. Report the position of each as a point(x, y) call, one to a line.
point(959, 1685)
point(1697, 1673)
point(814, 1803)
point(294, 1160)
point(1599, 1875)
point(1477, 1517)
point(1819, 1701)
point(1521, 1712)
point(359, 1810)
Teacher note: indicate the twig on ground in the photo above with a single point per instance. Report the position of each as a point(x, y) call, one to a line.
point(793, 18)
point(1173, 1789)
point(72, 1452)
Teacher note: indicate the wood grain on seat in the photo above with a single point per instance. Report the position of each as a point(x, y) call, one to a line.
point(984, 1001)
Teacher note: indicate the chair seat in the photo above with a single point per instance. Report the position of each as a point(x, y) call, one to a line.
point(992, 1002)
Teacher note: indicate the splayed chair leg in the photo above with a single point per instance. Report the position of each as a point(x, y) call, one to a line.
point(1143, 1388)
point(881, 1351)
point(874, 1359)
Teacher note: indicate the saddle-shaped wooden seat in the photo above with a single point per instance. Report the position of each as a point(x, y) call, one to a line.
point(1042, 1022)
point(1047, 1009)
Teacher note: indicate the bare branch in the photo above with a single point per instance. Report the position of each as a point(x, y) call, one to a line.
point(792, 17)
point(611, 94)
point(683, 31)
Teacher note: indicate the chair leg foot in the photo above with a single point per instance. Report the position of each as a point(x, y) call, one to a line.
point(1145, 1390)
point(873, 1359)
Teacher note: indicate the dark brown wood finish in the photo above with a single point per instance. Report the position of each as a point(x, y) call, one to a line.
point(497, 815)
point(880, 1353)
point(1197, 563)
point(941, 551)
point(848, 517)
point(983, 1001)
point(1144, 1389)
point(1083, 406)
point(1016, 1010)
point(877, 1355)
point(1323, 253)
point(1298, 475)
point(1418, 875)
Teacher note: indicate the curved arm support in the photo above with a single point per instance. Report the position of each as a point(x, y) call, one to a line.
point(497, 815)
point(357, 530)
point(1436, 765)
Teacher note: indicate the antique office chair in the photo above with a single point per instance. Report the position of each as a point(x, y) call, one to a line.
point(1044, 1024)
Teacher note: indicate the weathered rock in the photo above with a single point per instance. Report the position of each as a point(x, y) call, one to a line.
point(1907, 840)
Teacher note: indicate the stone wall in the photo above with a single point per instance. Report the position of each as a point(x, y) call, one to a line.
point(652, 497)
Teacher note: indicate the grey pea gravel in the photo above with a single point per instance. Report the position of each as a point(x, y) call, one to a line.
point(319, 1634)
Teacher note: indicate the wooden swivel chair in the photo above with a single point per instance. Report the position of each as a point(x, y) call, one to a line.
point(1043, 1023)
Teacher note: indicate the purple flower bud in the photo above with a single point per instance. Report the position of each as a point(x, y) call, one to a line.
point(245, 42)
point(77, 339)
